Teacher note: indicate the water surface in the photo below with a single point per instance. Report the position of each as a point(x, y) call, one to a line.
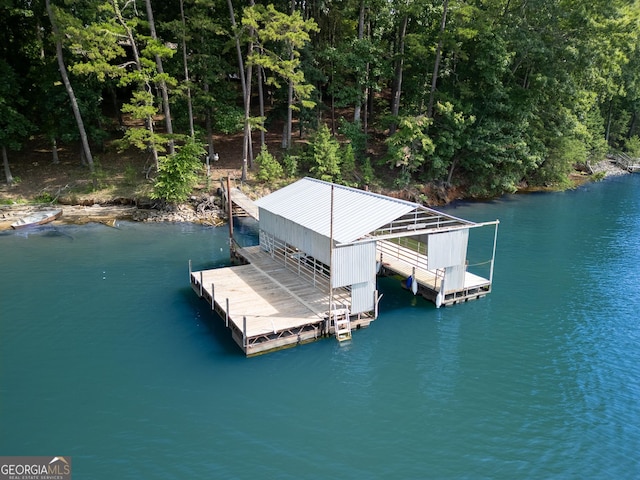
point(106, 355)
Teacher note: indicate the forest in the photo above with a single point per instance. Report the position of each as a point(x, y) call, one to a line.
point(483, 95)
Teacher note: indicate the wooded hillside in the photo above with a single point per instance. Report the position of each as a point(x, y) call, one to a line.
point(488, 94)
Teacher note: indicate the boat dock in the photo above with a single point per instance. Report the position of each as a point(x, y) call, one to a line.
point(267, 307)
point(321, 247)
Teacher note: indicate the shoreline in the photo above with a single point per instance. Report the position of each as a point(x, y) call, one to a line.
point(203, 211)
point(110, 214)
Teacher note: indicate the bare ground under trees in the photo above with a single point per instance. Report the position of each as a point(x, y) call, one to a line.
point(120, 189)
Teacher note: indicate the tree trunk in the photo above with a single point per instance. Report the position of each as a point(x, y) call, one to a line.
point(261, 102)
point(54, 152)
point(186, 70)
point(357, 111)
point(248, 157)
point(287, 140)
point(209, 128)
point(436, 66)
point(7, 170)
point(162, 84)
point(243, 81)
point(67, 84)
point(397, 84)
point(454, 162)
point(609, 114)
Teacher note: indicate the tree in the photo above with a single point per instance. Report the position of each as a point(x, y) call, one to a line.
point(14, 125)
point(279, 39)
point(67, 84)
point(269, 168)
point(323, 155)
point(177, 174)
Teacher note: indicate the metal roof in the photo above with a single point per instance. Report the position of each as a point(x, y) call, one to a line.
point(356, 213)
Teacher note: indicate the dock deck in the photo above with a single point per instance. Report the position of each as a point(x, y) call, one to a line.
point(265, 305)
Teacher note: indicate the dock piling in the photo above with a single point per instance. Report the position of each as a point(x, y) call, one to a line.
point(213, 301)
point(244, 332)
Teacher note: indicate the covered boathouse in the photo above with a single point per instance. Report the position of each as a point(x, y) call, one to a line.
point(321, 248)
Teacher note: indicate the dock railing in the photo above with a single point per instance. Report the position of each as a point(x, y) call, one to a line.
point(412, 252)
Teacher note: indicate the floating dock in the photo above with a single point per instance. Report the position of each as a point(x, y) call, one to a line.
point(267, 307)
point(321, 247)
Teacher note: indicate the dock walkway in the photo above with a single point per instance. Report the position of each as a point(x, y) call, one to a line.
point(242, 205)
point(632, 165)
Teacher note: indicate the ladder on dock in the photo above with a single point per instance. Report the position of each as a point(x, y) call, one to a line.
point(342, 324)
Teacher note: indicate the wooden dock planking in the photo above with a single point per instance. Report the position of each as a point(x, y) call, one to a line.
point(247, 205)
point(280, 309)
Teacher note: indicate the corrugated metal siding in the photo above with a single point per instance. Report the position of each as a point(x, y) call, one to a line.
point(354, 264)
point(357, 213)
point(447, 249)
point(362, 297)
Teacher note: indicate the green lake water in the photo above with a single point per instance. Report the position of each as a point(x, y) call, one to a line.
point(107, 356)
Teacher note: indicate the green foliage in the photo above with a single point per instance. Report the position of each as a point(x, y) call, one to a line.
point(99, 177)
point(410, 146)
point(279, 39)
point(44, 197)
point(323, 155)
point(358, 139)
point(367, 172)
point(229, 119)
point(130, 174)
point(269, 168)
point(563, 155)
point(14, 125)
point(348, 164)
point(632, 146)
point(290, 165)
point(525, 90)
point(178, 173)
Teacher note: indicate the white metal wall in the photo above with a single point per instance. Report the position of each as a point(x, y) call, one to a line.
point(447, 249)
point(353, 264)
point(362, 297)
point(454, 278)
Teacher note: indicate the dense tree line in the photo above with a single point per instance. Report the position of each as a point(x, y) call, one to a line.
point(484, 93)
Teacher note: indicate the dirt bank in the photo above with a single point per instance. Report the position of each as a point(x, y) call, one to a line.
point(203, 209)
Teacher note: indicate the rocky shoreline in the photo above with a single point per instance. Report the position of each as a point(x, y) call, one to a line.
point(204, 210)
